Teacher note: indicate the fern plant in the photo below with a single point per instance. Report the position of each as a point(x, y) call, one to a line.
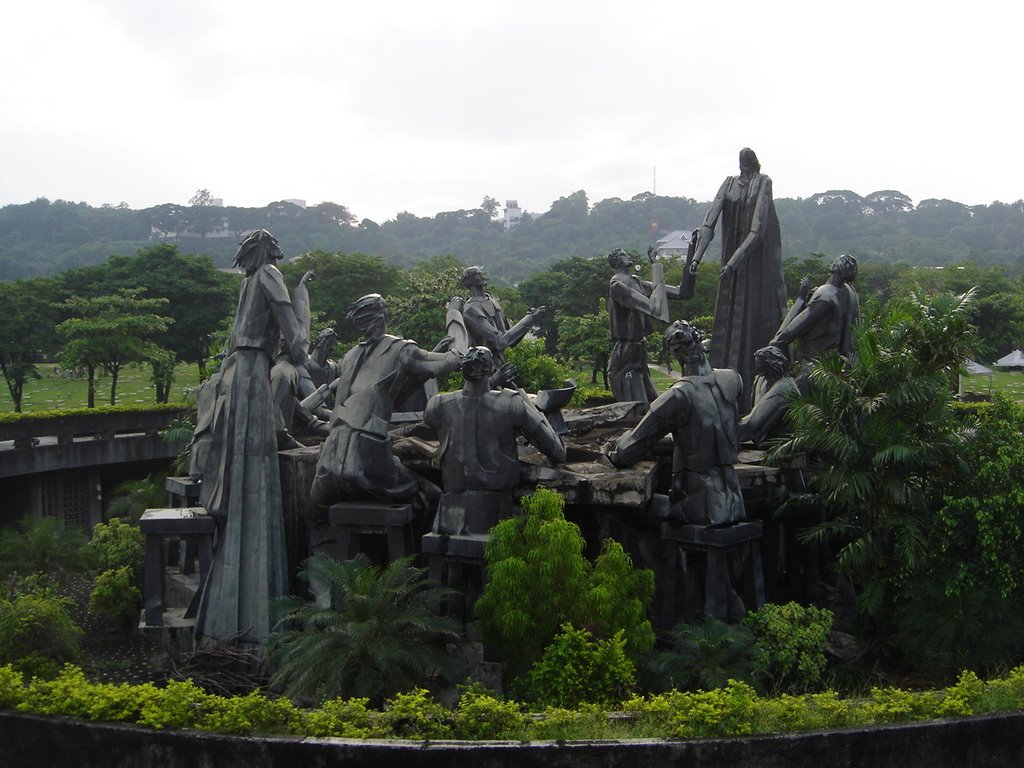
point(704, 655)
point(379, 635)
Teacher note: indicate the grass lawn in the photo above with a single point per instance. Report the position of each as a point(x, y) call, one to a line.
point(1010, 383)
point(52, 391)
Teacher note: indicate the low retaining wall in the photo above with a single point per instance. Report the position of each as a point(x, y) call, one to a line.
point(27, 741)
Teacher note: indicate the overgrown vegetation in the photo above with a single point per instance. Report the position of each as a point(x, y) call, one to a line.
point(539, 580)
point(369, 633)
point(735, 710)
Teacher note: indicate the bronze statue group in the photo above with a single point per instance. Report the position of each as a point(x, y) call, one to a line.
point(737, 390)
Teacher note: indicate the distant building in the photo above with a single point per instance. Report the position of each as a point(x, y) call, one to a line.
point(513, 214)
point(295, 201)
point(674, 243)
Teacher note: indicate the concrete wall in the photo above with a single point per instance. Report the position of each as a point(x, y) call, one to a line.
point(27, 741)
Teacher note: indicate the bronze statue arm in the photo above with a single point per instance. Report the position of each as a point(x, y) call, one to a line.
point(667, 413)
point(707, 231)
point(538, 431)
point(801, 322)
point(295, 341)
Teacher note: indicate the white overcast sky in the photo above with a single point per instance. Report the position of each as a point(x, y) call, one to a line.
point(423, 106)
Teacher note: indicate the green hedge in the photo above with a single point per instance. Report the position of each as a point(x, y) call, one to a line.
point(736, 710)
point(15, 418)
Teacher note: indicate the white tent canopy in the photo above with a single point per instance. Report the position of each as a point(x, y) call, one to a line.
point(976, 369)
point(1013, 360)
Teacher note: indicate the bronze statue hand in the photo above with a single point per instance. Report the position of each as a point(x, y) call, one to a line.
point(456, 304)
point(693, 267)
point(535, 312)
point(505, 375)
point(727, 269)
point(444, 344)
point(309, 277)
point(805, 286)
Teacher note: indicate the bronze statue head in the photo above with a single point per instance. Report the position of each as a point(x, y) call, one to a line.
point(749, 161)
point(845, 268)
point(684, 341)
point(770, 362)
point(618, 259)
point(478, 363)
point(257, 249)
point(473, 276)
point(367, 312)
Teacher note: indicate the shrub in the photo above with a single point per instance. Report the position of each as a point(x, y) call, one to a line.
point(42, 545)
point(538, 580)
point(414, 715)
point(705, 655)
point(380, 635)
point(577, 669)
point(480, 715)
point(37, 634)
point(792, 639)
point(536, 370)
point(118, 544)
point(342, 718)
point(115, 598)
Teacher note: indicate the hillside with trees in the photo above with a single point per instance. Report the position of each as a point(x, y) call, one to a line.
point(45, 238)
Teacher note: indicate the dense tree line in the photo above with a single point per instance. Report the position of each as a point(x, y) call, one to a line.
point(44, 237)
point(194, 301)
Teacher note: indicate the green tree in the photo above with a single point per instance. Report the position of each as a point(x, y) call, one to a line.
point(538, 580)
point(200, 198)
point(881, 437)
point(335, 212)
point(341, 278)
point(379, 635)
point(198, 297)
point(111, 332)
point(585, 337)
point(26, 330)
point(416, 310)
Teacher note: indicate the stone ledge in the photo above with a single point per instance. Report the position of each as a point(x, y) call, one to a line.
point(990, 741)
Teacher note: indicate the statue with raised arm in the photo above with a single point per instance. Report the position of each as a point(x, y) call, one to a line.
point(825, 321)
point(241, 487)
point(485, 321)
point(479, 458)
point(632, 302)
point(751, 290)
point(357, 459)
point(774, 389)
point(701, 411)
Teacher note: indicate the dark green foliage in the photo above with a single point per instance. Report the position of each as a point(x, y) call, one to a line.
point(416, 308)
point(37, 634)
point(791, 639)
point(115, 598)
point(704, 655)
point(42, 546)
point(380, 635)
point(980, 525)
point(481, 715)
point(882, 440)
point(538, 580)
point(341, 278)
point(133, 497)
point(26, 329)
point(578, 669)
point(943, 632)
point(535, 369)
